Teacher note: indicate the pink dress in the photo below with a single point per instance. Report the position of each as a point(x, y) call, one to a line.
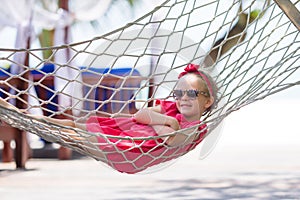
point(132, 156)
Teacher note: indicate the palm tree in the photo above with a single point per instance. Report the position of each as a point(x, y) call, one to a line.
point(235, 35)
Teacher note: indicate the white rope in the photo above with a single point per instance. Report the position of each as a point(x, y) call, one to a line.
point(137, 64)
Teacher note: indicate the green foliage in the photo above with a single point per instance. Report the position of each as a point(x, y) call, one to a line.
point(254, 14)
point(131, 2)
point(46, 40)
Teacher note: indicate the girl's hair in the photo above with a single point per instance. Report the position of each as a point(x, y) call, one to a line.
point(213, 89)
point(206, 78)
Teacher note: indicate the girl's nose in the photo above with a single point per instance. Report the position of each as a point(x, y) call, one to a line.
point(185, 96)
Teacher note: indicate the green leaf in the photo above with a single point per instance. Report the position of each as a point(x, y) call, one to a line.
point(131, 2)
point(255, 13)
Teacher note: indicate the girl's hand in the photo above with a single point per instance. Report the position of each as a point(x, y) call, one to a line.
point(153, 116)
point(162, 129)
point(173, 123)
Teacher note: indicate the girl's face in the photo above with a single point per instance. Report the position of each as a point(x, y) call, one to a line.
point(192, 99)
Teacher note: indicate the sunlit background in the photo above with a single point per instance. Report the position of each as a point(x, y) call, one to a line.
point(276, 117)
point(254, 153)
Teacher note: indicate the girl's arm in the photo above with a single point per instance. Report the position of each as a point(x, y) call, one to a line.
point(163, 124)
point(153, 116)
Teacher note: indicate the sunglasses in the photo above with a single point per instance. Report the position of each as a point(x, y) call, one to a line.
point(192, 94)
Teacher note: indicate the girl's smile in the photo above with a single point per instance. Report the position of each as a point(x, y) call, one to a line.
point(191, 100)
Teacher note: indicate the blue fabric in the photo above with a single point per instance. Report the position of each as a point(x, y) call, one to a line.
point(46, 69)
point(38, 73)
point(106, 93)
point(4, 74)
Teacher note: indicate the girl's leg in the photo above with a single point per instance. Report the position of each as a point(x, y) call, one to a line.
point(61, 122)
point(8, 105)
point(90, 145)
point(87, 143)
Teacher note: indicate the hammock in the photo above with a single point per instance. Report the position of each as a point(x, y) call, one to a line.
point(251, 48)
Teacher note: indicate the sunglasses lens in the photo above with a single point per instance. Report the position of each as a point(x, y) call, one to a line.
point(178, 93)
point(192, 93)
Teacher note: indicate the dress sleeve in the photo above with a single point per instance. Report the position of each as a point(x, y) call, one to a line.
point(168, 107)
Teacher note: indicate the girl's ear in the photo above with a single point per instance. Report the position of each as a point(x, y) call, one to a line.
point(209, 102)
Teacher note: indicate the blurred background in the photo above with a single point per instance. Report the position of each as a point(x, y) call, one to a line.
point(272, 142)
point(275, 117)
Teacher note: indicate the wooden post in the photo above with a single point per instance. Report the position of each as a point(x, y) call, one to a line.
point(65, 153)
point(290, 11)
point(21, 151)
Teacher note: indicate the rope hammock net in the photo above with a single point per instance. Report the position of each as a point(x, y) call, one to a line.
point(251, 49)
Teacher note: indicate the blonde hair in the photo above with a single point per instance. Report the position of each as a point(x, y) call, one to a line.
point(209, 82)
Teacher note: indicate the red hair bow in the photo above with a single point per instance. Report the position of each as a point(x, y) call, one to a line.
point(190, 68)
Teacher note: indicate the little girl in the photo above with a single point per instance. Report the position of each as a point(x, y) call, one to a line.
point(194, 94)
